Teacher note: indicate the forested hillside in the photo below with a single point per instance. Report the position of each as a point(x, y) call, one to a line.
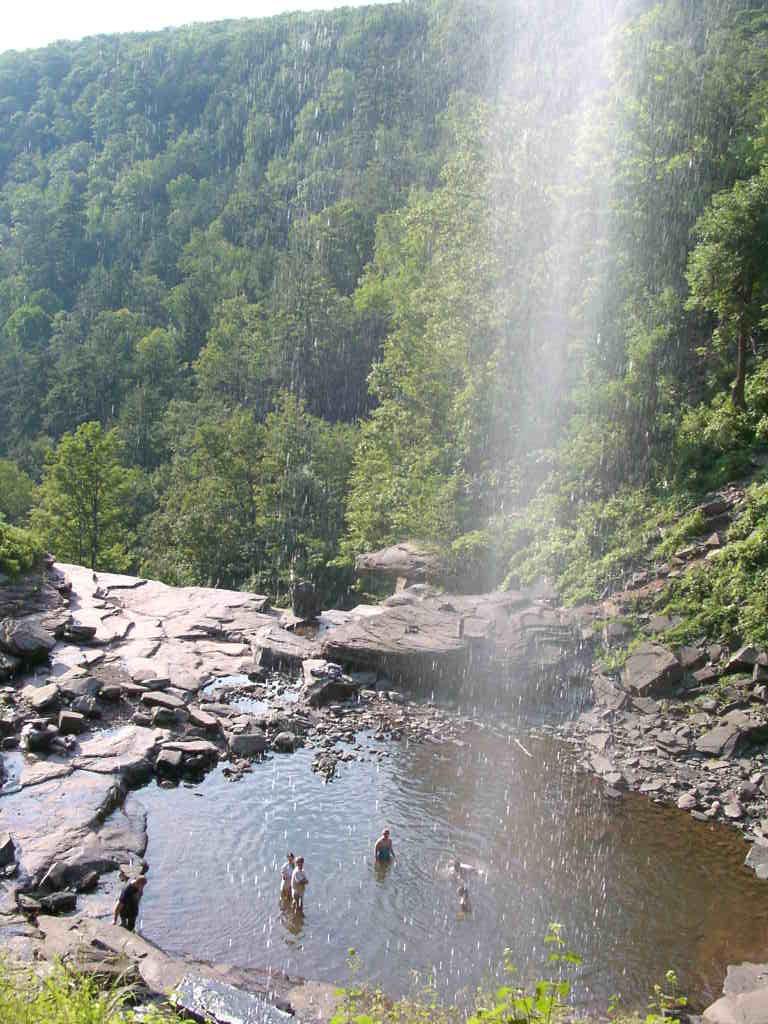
point(491, 275)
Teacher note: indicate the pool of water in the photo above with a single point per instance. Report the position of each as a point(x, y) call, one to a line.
point(637, 888)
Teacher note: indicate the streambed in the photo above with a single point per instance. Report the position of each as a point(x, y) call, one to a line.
point(638, 888)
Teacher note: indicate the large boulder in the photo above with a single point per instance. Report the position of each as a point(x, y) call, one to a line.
point(651, 671)
point(285, 742)
point(41, 698)
point(324, 683)
point(247, 744)
point(26, 639)
point(734, 727)
point(9, 665)
point(409, 561)
point(746, 1008)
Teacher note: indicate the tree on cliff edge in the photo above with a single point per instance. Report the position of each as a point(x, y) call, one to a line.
point(728, 270)
point(83, 507)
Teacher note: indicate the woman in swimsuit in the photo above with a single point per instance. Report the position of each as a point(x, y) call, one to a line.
point(384, 851)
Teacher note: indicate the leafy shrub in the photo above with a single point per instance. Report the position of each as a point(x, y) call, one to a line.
point(727, 598)
point(691, 525)
point(546, 1002)
point(585, 548)
point(714, 443)
point(472, 559)
point(64, 997)
point(20, 551)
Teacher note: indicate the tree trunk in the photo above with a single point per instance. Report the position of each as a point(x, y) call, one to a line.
point(737, 393)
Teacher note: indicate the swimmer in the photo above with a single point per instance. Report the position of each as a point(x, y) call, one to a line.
point(286, 873)
point(459, 870)
point(384, 851)
point(463, 895)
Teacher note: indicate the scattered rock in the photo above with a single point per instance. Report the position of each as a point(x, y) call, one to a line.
point(247, 744)
point(7, 849)
point(651, 671)
point(757, 859)
point(743, 660)
point(41, 698)
point(169, 762)
point(203, 720)
point(691, 658)
point(26, 639)
point(284, 742)
point(168, 701)
point(71, 722)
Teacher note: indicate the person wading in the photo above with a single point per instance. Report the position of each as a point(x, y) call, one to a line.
point(286, 874)
point(127, 906)
point(384, 851)
point(299, 883)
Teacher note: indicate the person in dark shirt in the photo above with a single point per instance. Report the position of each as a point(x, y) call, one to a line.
point(127, 906)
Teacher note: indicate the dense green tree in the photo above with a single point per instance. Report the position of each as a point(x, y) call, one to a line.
point(17, 493)
point(84, 505)
point(728, 269)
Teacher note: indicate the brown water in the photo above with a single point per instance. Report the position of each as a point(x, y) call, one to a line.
point(638, 888)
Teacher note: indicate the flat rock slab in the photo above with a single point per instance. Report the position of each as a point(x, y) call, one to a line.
point(158, 699)
point(37, 772)
point(126, 752)
point(279, 647)
point(401, 640)
point(87, 942)
point(192, 748)
point(651, 671)
point(50, 820)
point(215, 1001)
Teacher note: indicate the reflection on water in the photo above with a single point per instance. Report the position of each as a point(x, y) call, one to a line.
point(637, 888)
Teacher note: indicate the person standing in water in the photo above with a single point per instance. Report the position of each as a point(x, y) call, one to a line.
point(286, 874)
point(127, 906)
point(299, 883)
point(384, 851)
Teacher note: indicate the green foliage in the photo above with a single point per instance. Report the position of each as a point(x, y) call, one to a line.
point(331, 308)
point(587, 548)
point(17, 492)
point(728, 269)
point(691, 525)
point(727, 597)
point(63, 997)
point(20, 551)
point(547, 1001)
point(84, 508)
point(253, 503)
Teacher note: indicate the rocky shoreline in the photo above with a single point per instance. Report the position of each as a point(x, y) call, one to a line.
point(110, 681)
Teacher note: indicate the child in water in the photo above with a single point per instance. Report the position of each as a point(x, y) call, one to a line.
point(286, 874)
point(299, 883)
